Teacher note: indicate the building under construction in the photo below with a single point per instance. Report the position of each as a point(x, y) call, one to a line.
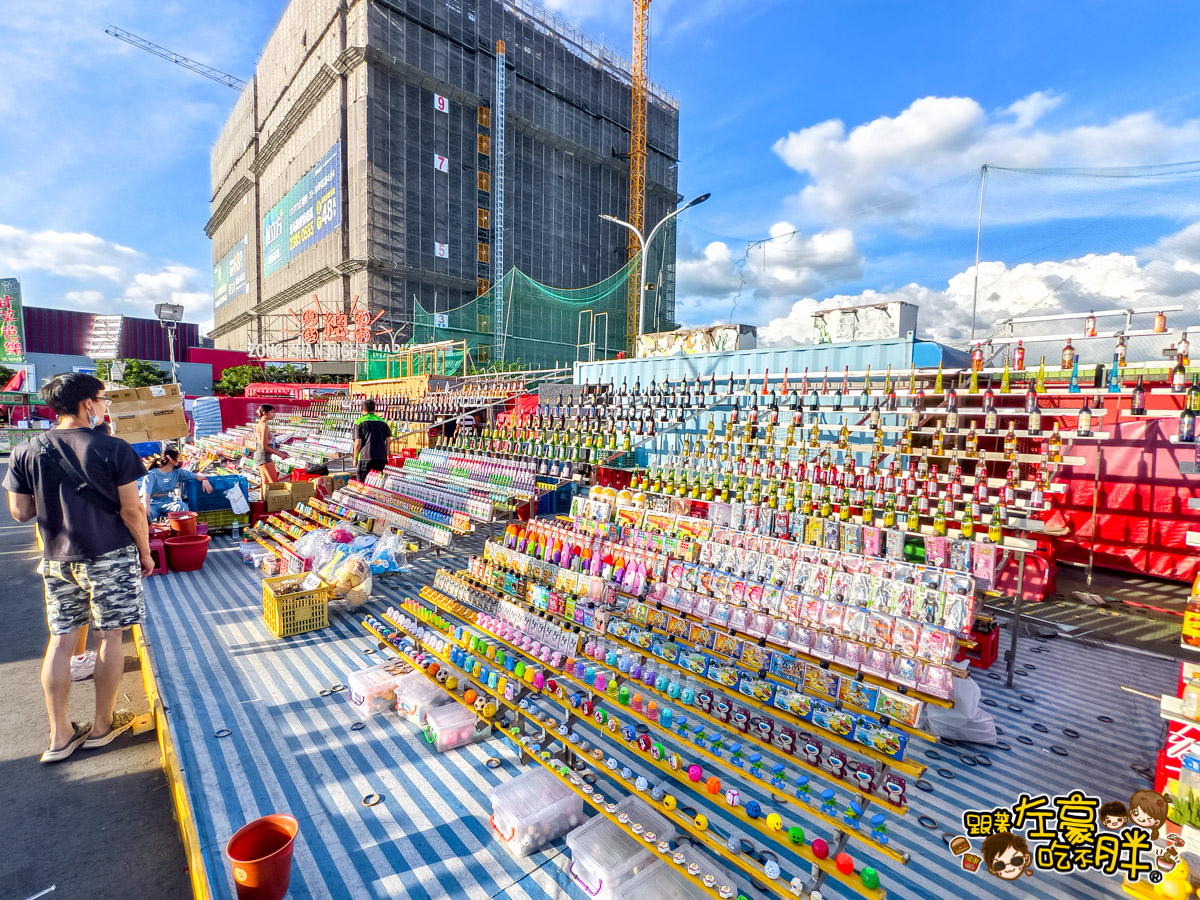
point(391, 159)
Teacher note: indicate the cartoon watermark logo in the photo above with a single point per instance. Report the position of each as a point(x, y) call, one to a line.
point(1069, 833)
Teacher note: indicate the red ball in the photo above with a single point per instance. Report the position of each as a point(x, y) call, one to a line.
point(845, 864)
point(820, 849)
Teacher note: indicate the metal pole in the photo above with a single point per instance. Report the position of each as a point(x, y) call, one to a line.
point(1095, 501)
point(978, 231)
point(1015, 623)
point(171, 350)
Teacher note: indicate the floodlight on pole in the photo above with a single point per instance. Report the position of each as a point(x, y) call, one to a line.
point(169, 316)
point(644, 242)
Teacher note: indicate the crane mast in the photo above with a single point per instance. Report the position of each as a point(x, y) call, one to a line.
point(637, 165)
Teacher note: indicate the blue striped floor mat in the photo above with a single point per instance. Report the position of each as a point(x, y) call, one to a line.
point(291, 750)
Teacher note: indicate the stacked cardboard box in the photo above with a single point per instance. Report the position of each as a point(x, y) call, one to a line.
point(147, 413)
point(286, 494)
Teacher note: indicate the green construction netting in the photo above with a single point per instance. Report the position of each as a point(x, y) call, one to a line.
point(374, 364)
point(542, 325)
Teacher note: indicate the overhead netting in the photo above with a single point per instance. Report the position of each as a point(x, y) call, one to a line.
point(542, 325)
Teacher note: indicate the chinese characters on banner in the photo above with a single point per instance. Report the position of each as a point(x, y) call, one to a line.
point(12, 322)
point(330, 335)
point(1074, 832)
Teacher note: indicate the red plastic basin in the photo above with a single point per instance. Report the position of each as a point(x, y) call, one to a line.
point(186, 553)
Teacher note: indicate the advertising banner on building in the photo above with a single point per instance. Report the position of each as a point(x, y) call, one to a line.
point(12, 322)
point(308, 212)
point(229, 275)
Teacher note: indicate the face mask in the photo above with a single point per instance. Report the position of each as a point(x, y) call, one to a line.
point(93, 421)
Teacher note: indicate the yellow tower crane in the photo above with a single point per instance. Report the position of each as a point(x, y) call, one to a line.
point(637, 166)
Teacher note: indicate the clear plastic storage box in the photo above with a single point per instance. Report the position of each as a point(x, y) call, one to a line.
point(604, 855)
point(532, 810)
point(373, 691)
point(666, 881)
point(447, 727)
point(416, 695)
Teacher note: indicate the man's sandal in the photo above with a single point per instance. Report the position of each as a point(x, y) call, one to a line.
point(78, 738)
point(122, 721)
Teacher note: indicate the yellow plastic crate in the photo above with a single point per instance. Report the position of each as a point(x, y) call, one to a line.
point(288, 611)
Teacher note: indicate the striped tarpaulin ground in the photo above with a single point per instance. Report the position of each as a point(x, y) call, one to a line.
point(292, 750)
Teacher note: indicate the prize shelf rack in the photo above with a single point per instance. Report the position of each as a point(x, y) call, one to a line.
point(821, 419)
point(475, 633)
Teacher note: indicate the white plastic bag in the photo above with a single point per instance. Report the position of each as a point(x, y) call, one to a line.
point(237, 500)
point(967, 721)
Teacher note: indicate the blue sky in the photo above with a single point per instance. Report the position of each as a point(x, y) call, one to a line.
point(851, 131)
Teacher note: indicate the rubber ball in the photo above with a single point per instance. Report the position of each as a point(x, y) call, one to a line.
point(694, 773)
point(870, 878)
point(796, 834)
point(470, 696)
point(845, 864)
point(820, 849)
point(774, 820)
point(713, 785)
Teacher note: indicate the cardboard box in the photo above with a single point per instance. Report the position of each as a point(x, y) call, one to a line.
point(166, 422)
point(277, 496)
point(160, 396)
point(122, 396)
point(301, 490)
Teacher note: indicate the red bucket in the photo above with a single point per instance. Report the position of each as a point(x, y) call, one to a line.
point(186, 553)
point(261, 855)
point(182, 522)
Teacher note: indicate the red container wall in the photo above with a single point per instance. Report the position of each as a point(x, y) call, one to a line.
point(220, 360)
point(69, 331)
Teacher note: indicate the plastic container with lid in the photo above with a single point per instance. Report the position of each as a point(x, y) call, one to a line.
point(666, 881)
point(532, 810)
point(373, 691)
point(416, 695)
point(604, 855)
point(447, 727)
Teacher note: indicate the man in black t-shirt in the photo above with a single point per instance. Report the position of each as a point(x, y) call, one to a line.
point(371, 436)
point(82, 487)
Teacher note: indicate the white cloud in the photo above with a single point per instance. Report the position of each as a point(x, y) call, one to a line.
point(880, 164)
point(710, 283)
point(112, 278)
point(1159, 277)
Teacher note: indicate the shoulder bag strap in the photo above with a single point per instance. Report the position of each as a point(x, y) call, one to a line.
point(71, 476)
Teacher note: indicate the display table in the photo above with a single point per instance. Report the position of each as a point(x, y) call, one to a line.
point(290, 749)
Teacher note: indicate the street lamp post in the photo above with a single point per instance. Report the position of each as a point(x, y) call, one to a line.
point(645, 243)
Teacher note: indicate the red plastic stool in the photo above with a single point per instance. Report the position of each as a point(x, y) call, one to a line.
point(158, 553)
point(985, 651)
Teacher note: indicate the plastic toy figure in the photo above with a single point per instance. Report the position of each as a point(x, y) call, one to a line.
point(778, 778)
point(735, 754)
point(829, 802)
point(802, 788)
point(879, 828)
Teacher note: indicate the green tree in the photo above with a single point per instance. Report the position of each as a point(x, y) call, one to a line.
point(5, 374)
point(138, 372)
point(233, 380)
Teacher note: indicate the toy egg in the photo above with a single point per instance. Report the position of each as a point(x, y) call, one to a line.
point(611, 763)
point(771, 868)
point(710, 880)
point(637, 828)
point(713, 785)
point(733, 797)
point(678, 858)
point(669, 802)
point(726, 891)
point(694, 868)
point(664, 846)
point(845, 864)
point(820, 849)
point(796, 834)
point(641, 784)
point(658, 793)
point(869, 877)
point(775, 822)
point(626, 773)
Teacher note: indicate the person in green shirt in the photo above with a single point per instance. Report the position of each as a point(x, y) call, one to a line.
point(371, 436)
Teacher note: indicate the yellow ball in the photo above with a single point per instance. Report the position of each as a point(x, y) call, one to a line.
point(775, 822)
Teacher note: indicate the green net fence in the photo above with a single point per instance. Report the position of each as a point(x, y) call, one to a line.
point(542, 325)
point(375, 364)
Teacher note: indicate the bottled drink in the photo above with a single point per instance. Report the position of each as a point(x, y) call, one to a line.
point(1192, 400)
point(972, 441)
point(1191, 617)
point(977, 358)
point(1055, 444)
point(1184, 348)
point(1084, 426)
point(1068, 354)
point(1160, 323)
point(1187, 426)
point(1178, 376)
point(1019, 358)
point(1040, 381)
point(1137, 401)
point(1089, 325)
